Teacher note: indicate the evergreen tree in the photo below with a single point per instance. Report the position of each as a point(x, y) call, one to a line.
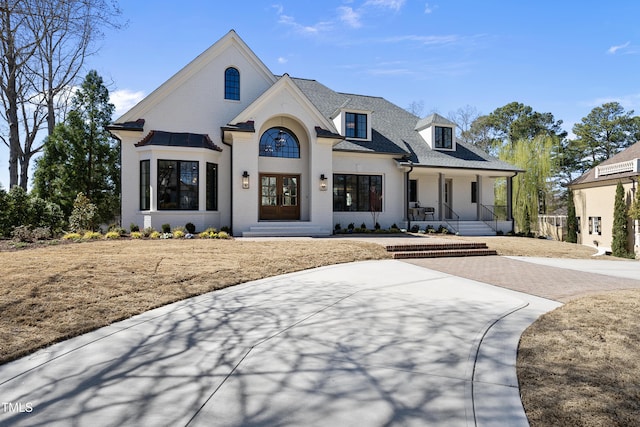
point(572, 221)
point(81, 156)
point(620, 231)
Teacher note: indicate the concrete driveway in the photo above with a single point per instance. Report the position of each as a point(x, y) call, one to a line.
point(369, 344)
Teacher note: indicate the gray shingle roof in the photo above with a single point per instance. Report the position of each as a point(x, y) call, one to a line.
point(394, 131)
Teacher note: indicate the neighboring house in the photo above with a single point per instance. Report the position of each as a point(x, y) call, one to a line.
point(594, 196)
point(225, 142)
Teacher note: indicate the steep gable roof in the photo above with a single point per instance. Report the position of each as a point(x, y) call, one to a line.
point(230, 39)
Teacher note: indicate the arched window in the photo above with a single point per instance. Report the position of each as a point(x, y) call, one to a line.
point(279, 142)
point(232, 84)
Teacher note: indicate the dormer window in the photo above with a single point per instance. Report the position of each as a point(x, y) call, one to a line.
point(443, 137)
point(232, 84)
point(356, 125)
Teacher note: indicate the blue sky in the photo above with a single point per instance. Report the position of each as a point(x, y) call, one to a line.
point(562, 57)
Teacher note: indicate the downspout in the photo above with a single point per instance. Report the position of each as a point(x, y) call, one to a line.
point(230, 183)
point(407, 196)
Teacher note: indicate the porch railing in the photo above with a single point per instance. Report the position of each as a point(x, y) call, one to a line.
point(489, 217)
point(451, 218)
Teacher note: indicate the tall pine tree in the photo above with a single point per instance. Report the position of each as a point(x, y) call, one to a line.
point(81, 156)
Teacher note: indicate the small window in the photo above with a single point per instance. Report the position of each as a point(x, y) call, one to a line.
point(212, 187)
point(474, 192)
point(578, 225)
point(279, 142)
point(145, 185)
point(177, 185)
point(232, 84)
point(444, 137)
point(356, 125)
point(413, 190)
point(595, 225)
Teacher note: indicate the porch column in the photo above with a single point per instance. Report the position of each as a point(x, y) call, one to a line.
point(440, 196)
point(510, 198)
point(478, 198)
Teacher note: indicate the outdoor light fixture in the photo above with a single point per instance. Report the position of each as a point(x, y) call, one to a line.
point(245, 180)
point(323, 182)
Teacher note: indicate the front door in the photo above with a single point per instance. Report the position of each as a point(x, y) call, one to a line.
point(279, 197)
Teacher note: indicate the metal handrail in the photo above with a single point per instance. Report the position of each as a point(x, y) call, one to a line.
point(489, 217)
point(456, 218)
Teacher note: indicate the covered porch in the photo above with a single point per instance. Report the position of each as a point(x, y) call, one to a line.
point(462, 201)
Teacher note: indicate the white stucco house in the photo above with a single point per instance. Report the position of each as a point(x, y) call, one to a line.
point(225, 142)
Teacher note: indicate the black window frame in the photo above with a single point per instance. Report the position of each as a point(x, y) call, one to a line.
point(145, 185)
point(270, 147)
point(413, 191)
point(232, 84)
point(212, 186)
point(359, 122)
point(474, 192)
point(172, 194)
point(443, 138)
point(352, 193)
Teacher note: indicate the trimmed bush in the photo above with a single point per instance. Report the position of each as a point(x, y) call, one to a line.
point(134, 227)
point(154, 235)
point(72, 236)
point(191, 229)
point(223, 235)
point(166, 228)
point(91, 235)
point(136, 235)
point(178, 234)
point(112, 235)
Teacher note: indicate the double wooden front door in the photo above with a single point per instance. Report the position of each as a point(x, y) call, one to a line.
point(279, 197)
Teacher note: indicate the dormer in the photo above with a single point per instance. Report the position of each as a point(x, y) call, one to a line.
point(438, 132)
point(354, 124)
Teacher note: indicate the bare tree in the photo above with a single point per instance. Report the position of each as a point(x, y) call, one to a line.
point(45, 43)
point(463, 118)
point(416, 108)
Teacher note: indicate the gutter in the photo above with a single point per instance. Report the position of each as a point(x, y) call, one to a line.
point(230, 183)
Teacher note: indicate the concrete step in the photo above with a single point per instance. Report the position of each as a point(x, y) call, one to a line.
point(286, 230)
point(435, 246)
point(444, 253)
point(475, 228)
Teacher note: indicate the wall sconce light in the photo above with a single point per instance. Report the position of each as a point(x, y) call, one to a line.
point(245, 180)
point(323, 182)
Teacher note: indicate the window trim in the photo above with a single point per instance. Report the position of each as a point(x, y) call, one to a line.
point(144, 201)
point(232, 88)
point(595, 225)
point(291, 138)
point(436, 131)
point(358, 127)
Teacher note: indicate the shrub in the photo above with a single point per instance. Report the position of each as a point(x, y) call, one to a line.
point(154, 235)
point(415, 228)
point(191, 229)
point(22, 233)
point(178, 234)
point(83, 214)
point(134, 228)
point(41, 233)
point(166, 236)
point(179, 228)
point(363, 226)
point(92, 235)
point(223, 235)
point(338, 227)
point(166, 228)
point(148, 231)
point(394, 227)
point(226, 229)
point(377, 226)
point(209, 233)
point(136, 235)
point(72, 236)
point(116, 228)
point(111, 235)
point(351, 226)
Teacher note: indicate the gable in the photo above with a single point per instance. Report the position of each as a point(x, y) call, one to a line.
point(196, 92)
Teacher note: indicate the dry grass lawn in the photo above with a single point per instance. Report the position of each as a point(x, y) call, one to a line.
point(577, 366)
point(52, 293)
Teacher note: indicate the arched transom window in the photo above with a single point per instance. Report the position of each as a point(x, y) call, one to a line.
point(232, 84)
point(279, 142)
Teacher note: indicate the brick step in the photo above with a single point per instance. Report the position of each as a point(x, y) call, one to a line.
point(444, 253)
point(435, 246)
